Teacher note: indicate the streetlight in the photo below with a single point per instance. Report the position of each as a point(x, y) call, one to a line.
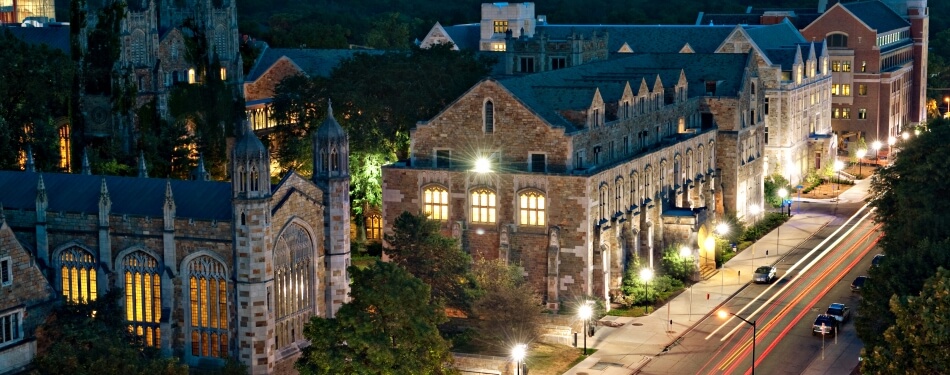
point(724, 314)
point(686, 253)
point(861, 154)
point(722, 229)
point(518, 353)
point(876, 145)
point(838, 166)
point(646, 275)
point(482, 165)
point(782, 193)
point(585, 312)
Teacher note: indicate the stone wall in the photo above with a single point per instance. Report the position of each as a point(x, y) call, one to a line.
point(264, 86)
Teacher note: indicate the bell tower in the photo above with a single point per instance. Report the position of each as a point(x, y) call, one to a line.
point(331, 172)
point(254, 252)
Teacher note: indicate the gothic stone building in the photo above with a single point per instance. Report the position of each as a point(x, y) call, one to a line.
point(590, 166)
point(209, 269)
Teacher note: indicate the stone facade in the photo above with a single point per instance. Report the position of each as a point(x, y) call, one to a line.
point(623, 169)
point(230, 269)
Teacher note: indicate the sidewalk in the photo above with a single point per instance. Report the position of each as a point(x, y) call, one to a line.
point(627, 348)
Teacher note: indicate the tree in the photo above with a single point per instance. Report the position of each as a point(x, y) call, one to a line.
point(388, 327)
point(910, 202)
point(94, 338)
point(677, 266)
point(391, 31)
point(917, 342)
point(507, 310)
point(417, 246)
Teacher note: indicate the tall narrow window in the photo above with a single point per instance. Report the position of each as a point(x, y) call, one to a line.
point(436, 203)
point(531, 208)
point(64, 148)
point(191, 76)
point(293, 278)
point(208, 295)
point(6, 271)
point(483, 206)
point(143, 296)
point(374, 227)
point(489, 117)
point(78, 276)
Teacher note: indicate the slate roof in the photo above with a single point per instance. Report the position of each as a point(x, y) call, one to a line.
point(465, 36)
point(548, 93)
point(774, 36)
point(877, 15)
point(782, 56)
point(647, 38)
point(205, 200)
point(314, 62)
point(55, 37)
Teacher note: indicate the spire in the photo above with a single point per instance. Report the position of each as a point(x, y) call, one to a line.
point(169, 199)
point(40, 190)
point(104, 193)
point(143, 171)
point(86, 169)
point(30, 165)
point(200, 173)
point(329, 108)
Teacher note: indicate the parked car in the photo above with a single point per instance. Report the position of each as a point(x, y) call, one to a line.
point(839, 311)
point(764, 274)
point(877, 260)
point(824, 325)
point(858, 283)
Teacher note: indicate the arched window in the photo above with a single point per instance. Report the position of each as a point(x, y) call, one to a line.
point(483, 206)
point(334, 160)
point(143, 296)
point(208, 307)
point(64, 147)
point(191, 76)
point(138, 48)
point(78, 275)
point(531, 208)
point(489, 117)
point(374, 227)
point(603, 201)
point(242, 179)
point(255, 179)
point(293, 279)
point(837, 40)
point(618, 195)
point(221, 42)
point(436, 203)
point(634, 192)
point(324, 160)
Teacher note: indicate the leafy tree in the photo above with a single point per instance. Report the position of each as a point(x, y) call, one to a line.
point(772, 184)
point(677, 266)
point(917, 342)
point(35, 93)
point(391, 31)
point(508, 310)
point(909, 198)
point(94, 338)
point(388, 327)
point(417, 246)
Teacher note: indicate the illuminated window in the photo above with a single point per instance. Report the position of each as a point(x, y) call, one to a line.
point(531, 208)
point(64, 147)
point(191, 75)
point(143, 296)
point(78, 276)
point(845, 66)
point(374, 227)
point(500, 27)
point(483, 206)
point(862, 114)
point(845, 112)
point(293, 279)
point(11, 327)
point(208, 293)
point(224, 74)
point(862, 89)
point(846, 90)
point(498, 47)
point(835, 89)
point(836, 66)
point(436, 203)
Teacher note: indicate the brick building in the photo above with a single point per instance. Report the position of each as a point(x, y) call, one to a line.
point(210, 269)
point(878, 51)
point(795, 76)
point(590, 165)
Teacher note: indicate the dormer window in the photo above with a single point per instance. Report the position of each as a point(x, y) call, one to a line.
point(489, 117)
point(595, 117)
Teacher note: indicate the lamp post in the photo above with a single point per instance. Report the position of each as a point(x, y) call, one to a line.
point(861, 154)
point(585, 312)
point(724, 314)
point(782, 193)
point(876, 145)
point(518, 353)
point(754, 210)
point(646, 275)
point(839, 165)
point(687, 254)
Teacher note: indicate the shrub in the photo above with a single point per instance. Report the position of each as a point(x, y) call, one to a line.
point(677, 266)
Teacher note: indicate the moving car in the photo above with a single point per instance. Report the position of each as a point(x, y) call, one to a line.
point(858, 283)
point(764, 274)
point(839, 311)
point(824, 325)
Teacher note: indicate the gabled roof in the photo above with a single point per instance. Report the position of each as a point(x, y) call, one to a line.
point(775, 36)
point(205, 200)
point(549, 93)
point(466, 36)
point(876, 15)
point(54, 37)
point(313, 62)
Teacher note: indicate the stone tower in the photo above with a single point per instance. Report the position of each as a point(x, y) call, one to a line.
point(254, 256)
point(331, 150)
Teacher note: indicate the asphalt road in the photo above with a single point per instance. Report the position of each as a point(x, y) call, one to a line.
point(812, 275)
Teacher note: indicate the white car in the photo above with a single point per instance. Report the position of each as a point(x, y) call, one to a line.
point(840, 311)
